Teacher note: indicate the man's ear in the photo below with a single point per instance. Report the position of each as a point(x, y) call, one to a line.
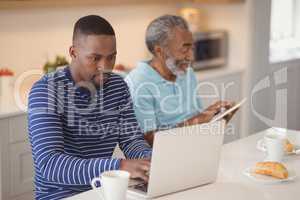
point(72, 52)
point(159, 52)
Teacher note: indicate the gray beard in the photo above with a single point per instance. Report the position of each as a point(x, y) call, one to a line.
point(170, 63)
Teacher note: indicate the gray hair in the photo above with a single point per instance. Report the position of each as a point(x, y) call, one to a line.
point(159, 30)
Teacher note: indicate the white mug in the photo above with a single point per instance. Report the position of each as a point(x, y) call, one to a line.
point(275, 146)
point(114, 184)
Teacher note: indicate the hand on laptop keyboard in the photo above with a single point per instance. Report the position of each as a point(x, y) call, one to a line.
point(137, 168)
point(142, 187)
point(139, 184)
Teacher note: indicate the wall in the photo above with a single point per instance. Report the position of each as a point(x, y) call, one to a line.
point(293, 94)
point(258, 63)
point(232, 18)
point(29, 37)
point(235, 19)
point(282, 110)
point(248, 25)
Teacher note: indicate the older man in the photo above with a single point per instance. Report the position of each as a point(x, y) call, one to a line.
point(78, 115)
point(164, 89)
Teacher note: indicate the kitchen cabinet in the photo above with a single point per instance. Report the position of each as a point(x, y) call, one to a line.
point(16, 165)
point(225, 86)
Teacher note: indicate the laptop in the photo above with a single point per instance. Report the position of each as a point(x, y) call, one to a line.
point(182, 158)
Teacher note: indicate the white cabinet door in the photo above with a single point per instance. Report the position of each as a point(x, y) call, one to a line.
point(21, 169)
point(4, 162)
point(27, 196)
point(21, 164)
point(18, 129)
point(227, 87)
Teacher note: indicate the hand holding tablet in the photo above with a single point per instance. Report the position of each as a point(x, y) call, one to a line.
point(223, 114)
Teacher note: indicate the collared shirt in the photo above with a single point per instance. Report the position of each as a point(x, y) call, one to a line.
point(160, 104)
point(73, 132)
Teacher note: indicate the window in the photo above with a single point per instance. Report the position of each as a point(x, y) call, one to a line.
point(284, 37)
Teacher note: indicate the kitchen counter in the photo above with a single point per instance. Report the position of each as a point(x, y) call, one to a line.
point(207, 74)
point(10, 111)
point(9, 106)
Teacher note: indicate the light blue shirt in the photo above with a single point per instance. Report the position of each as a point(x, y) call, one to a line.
point(161, 104)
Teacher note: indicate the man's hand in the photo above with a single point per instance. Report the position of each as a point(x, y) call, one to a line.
point(208, 114)
point(217, 106)
point(230, 115)
point(203, 117)
point(136, 168)
point(223, 104)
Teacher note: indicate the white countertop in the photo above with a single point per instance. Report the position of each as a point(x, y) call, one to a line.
point(9, 107)
point(231, 183)
point(10, 112)
point(206, 74)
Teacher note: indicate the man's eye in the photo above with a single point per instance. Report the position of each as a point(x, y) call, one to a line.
point(96, 59)
point(110, 58)
point(184, 50)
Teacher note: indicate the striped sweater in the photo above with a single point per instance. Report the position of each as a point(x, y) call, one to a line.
point(73, 132)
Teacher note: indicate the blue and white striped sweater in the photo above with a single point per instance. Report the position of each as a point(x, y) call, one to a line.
point(73, 132)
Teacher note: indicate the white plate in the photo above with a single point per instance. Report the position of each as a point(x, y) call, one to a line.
point(249, 172)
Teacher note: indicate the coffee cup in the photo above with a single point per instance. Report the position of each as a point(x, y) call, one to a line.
point(274, 144)
point(114, 185)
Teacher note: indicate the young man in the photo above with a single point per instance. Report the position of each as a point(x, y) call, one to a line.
point(164, 89)
point(78, 115)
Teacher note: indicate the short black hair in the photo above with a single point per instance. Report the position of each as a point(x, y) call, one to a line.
point(92, 25)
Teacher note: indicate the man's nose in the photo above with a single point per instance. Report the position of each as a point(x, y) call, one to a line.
point(190, 55)
point(99, 68)
point(101, 64)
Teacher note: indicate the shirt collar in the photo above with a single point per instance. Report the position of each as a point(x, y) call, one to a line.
point(81, 89)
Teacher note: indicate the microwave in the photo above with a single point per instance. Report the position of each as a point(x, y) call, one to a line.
point(210, 49)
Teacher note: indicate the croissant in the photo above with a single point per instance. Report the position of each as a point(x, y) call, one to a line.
point(274, 169)
point(289, 147)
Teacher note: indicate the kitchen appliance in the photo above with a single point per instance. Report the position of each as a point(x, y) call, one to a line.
point(210, 49)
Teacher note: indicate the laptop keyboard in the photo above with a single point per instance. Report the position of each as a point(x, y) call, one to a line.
point(141, 186)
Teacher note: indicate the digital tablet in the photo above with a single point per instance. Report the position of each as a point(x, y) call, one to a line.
point(226, 112)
